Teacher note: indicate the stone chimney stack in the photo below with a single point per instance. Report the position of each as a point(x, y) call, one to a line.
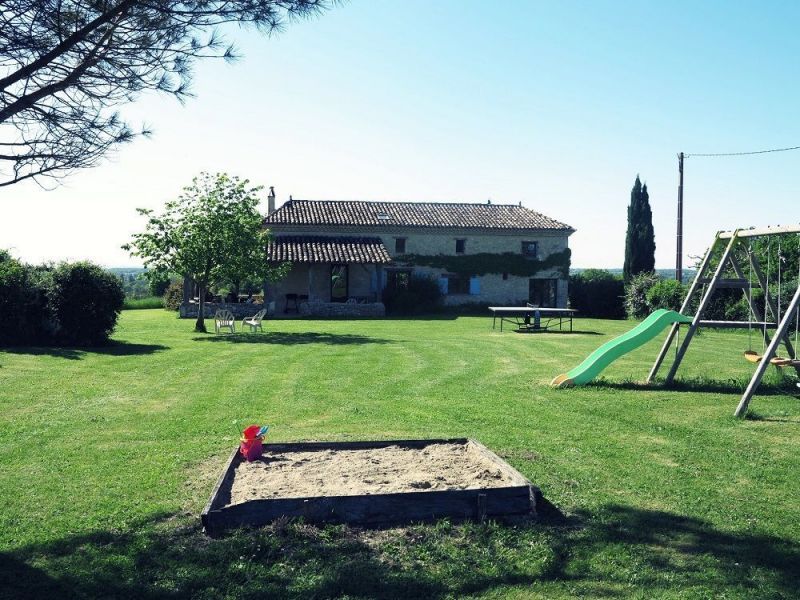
point(271, 201)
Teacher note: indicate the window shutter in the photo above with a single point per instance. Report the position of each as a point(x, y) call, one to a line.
point(474, 285)
point(443, 285)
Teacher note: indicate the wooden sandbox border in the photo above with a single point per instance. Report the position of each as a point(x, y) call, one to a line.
point(371, 509)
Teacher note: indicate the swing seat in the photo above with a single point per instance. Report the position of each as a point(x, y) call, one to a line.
point(778, 361)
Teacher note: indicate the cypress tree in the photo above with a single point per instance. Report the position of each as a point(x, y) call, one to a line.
point(640, 242)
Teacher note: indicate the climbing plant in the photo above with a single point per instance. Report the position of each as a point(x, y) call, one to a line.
point(485, 262)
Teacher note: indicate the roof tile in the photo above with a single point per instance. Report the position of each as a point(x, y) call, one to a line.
point(411, 214)
point(327, 249)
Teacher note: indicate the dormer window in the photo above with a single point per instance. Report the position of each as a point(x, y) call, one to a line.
point(384, 217)
point(461, 246)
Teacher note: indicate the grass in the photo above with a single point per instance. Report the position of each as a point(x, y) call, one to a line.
point(108, 455)
point(142, 303)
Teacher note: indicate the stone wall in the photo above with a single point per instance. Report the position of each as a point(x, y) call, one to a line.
point(342, 309)
point(240, 310)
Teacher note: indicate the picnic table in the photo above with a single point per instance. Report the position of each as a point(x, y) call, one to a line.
point(532, 318)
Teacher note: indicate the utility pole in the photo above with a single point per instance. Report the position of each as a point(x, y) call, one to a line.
point(679, 248)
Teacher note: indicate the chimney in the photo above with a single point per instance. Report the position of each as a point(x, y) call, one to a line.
point(271, 201)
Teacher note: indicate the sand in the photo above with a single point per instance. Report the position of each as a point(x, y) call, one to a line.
point(373, 471)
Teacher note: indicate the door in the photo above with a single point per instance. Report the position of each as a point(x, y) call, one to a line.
point(339, 283)
point(542, 292)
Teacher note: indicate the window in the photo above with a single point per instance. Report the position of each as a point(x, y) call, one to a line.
point(455, 284)
point(542, 292)
point(400, 245)
point(397, 279)
point(461, 246)
point(530, 249)
point(339, 283)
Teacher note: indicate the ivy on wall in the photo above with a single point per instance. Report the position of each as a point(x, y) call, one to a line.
point(484, 262)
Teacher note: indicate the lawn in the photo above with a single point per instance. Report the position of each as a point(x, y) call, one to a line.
point(108, 456)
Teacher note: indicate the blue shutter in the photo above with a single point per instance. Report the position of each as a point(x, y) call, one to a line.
point(474, 285)
point(443, 281)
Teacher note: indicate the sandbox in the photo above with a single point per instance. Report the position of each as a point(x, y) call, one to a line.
point(367, 483)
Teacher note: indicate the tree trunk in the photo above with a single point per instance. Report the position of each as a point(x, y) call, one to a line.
point(200, 324)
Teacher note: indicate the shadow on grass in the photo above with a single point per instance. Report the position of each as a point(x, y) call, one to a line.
point(387, 317)
point(730, 386)
point(752, 415)
point(554, 331)
point(111, 349)
point(615, 551)
point(285, 338)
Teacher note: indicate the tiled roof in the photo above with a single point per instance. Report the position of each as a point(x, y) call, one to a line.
point(411, 214)
point(321, 249)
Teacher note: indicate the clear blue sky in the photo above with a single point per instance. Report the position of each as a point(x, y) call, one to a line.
point(555, 104)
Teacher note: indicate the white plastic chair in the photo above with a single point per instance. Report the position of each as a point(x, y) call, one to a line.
point(254, 322)
point(224, 319)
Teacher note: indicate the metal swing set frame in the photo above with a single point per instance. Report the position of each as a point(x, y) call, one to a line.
point(730, 249)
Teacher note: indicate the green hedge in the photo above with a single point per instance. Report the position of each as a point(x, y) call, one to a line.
point(23, 303)
point(597, 293)
point(85, 301)
point(71, 304)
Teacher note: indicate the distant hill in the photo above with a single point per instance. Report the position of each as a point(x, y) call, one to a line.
point(125, 270)
point(133, 281)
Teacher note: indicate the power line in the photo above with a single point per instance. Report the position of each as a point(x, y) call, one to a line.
point(746, 153)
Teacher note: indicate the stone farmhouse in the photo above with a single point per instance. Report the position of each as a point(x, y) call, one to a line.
point(345, 253)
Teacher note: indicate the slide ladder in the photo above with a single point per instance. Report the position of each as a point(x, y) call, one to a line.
point(619, 346)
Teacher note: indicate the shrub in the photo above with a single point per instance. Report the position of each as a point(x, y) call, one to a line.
point(419, 295)
point(667, 293)
point(597, 293)
point(636, 304)
point(23, 303)
point(173, 296)
point(85, 302)
point(727, 304)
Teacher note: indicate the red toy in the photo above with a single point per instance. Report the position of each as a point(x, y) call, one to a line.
point(251, 443)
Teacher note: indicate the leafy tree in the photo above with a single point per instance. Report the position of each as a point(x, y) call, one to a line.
point(640, 243)
point(767, 252)
point(66, 64)
point(157, 283)
point(213, 225)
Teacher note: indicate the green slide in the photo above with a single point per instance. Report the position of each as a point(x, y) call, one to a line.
point(612, 350)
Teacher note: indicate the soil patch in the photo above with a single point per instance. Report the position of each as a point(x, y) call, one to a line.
point(385, 470)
